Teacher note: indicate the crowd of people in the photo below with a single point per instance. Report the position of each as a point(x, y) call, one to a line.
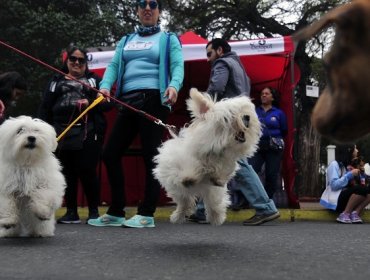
point(148, 71)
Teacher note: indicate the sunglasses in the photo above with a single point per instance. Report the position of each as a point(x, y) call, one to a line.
point(209, 54)
point(80, 60)
point(152, 4)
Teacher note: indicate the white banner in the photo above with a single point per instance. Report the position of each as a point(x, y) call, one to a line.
point(99, 60)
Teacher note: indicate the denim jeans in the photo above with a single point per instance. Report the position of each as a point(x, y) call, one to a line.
point(248, 182)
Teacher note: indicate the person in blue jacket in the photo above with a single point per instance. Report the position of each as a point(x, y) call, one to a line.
point(148, 69)
point(271, 146)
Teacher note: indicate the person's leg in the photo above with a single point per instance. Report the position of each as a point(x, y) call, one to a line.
point(353, 201)
point(272, 171)
point(249, 184)
point(151, 136)
point(359, 208)
point(68, 162)
point(123, 133)
point(89, 159)
point(342, 206)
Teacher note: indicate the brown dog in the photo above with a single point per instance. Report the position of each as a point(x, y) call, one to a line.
point(343, 109)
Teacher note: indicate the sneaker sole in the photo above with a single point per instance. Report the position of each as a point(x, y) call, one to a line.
point(68, 222)
point(343, 222)
point(265, 220)
point(127, 226)
point(104, 225)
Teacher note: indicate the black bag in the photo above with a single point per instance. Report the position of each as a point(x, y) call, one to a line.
point(136, 99)
point(276, 143)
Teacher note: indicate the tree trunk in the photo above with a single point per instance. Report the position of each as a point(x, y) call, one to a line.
point(308, 159)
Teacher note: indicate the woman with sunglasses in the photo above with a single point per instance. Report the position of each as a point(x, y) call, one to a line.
point(79, 150)
point(148, 69)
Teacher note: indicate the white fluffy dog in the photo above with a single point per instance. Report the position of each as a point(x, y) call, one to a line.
point(31, 183)
point(203, 158)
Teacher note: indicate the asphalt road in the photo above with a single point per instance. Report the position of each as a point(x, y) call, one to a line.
point(277, 250)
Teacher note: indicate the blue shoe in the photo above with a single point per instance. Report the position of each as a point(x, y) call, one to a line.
point(139, 221)
point(106, 221)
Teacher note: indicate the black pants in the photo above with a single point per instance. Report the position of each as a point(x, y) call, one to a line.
point(82, 164)
point(272, 160)
point(127, 126)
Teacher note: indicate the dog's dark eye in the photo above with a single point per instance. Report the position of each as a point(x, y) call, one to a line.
point(246, 120)
point(20, 130)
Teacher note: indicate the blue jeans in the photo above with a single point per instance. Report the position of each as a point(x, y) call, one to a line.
point(248, 182)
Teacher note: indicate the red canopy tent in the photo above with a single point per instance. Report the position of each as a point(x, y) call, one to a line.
point(268, 62)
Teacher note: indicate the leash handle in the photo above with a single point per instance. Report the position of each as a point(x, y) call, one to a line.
point(92, 105)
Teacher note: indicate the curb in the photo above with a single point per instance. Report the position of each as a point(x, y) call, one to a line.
point(290, 215)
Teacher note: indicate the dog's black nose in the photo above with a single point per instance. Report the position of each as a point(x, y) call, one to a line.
point(31, 139)
point(246, 120)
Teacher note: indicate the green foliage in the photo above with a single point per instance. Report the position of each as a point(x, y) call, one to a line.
point(43, 29)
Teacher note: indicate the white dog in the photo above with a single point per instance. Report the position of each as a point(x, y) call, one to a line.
point(203, 158)
point(31, 183)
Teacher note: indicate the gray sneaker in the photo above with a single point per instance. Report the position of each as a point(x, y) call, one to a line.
point(257, 220)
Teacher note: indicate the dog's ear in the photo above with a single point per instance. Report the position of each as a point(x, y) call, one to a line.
point(332, 17)
point(199, 103)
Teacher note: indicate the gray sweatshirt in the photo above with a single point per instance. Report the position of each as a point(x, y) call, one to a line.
point(228, 78)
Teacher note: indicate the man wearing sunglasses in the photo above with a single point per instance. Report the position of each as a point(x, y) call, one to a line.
point(148, 68)
point(228, 79)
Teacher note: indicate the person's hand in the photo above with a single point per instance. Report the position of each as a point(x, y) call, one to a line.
point(171, 94)
point(2, 109)
point(106, 94)
point(83, 103)
point(355, 172)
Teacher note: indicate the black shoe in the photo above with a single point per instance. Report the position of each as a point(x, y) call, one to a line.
point(195, 218)
point(257, 220)
point(93, 214)
point(71, 217)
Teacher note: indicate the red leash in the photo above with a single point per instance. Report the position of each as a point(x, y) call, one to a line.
point(171, 128)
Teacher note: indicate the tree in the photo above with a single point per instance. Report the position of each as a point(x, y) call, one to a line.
point(44, 28)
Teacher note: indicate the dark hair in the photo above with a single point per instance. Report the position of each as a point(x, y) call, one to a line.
point(219, 42)
point(356, 162)
point(344, 154)
point(70, 50)
point(275, 96)
point(158, 1)
point(10, 81)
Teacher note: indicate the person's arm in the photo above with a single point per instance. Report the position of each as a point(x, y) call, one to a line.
point(176, 64)
point(283, 124)
point(2, 109)
point(111, 72)
point(219, 78)
point(176, 70)
point(47, 102)
point(335, 181)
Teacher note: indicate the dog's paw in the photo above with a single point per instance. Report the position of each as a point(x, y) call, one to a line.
point(43, 213)
point(188, 182)
point(176, 218)
point(43, 218)
point(8, 223)
point(215, 218)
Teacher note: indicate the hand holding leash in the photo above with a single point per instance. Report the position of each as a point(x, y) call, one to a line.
point(171, 94)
